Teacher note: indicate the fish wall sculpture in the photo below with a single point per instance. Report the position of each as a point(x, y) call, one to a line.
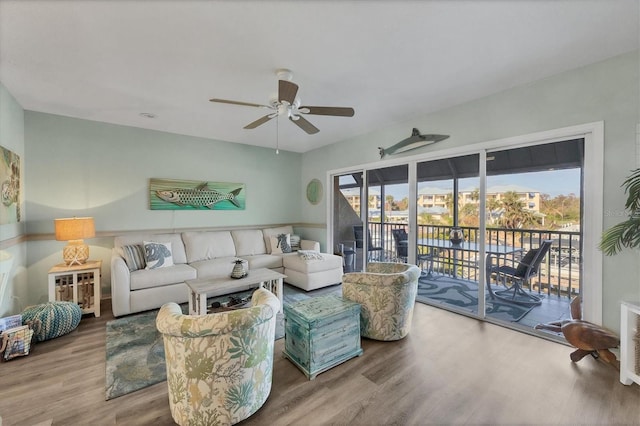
point(167, 194)
point(416, 140)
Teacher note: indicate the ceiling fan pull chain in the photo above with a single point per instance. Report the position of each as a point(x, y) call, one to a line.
point(277, 135)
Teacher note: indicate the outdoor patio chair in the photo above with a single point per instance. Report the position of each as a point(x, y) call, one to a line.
point(519, 277)
point(402, 250)
point(358, 233)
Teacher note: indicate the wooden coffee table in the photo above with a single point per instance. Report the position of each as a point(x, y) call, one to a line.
point(199, 289)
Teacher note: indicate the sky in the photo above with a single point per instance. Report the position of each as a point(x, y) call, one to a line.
point(554, 183)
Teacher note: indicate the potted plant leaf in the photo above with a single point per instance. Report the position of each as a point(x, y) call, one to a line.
point(625, 234)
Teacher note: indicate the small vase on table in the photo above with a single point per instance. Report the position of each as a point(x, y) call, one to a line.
point(238, 269)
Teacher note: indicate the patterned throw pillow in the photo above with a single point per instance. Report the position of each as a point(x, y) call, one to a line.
point(157, 255)
point(134, 257)
point(281, 244)
point(294, 240)
point(55, 318)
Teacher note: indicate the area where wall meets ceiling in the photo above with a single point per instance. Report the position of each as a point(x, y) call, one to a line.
point(391, 61)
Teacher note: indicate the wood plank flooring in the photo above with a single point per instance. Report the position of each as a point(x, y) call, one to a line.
point(449, 370)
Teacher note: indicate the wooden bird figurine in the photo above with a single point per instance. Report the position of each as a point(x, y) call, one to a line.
point(588, 338)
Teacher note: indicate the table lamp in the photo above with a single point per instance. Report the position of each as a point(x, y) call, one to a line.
point(75, 230)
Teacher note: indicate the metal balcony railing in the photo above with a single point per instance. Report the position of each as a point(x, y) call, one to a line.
point(559, 273)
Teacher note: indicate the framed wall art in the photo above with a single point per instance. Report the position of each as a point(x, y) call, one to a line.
point(10, 186)
point(171, 194)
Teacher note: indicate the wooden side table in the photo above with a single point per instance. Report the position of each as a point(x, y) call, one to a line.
point(77, 283)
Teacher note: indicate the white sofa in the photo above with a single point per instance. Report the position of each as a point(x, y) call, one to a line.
point(209, 254)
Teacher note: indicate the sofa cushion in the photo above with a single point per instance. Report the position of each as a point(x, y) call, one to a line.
point(270, 261)
point(208, 245)
point(249, 242)
point(273, 232)
point(214, 268)
point(148, 278)
point(297, 263)
point(177, 246)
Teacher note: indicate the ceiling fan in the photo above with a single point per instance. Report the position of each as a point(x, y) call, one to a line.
point(288, 105)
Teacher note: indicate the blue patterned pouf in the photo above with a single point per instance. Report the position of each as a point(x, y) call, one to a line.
point(56, 319)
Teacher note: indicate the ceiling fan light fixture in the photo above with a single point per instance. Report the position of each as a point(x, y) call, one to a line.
point(282, 109)
point(287, 103)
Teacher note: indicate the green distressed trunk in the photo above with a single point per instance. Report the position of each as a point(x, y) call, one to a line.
point(321, 333)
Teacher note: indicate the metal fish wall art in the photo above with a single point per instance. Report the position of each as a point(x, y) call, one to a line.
point(416, 140)
point(184, 196)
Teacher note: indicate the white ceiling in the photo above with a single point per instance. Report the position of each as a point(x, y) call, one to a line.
point(110, 61)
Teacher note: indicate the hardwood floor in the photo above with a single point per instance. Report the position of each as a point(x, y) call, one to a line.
point(449, 370)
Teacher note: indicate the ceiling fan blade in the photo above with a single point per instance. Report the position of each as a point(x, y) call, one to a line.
point(259, 121)
point(287, 91)
point(226, 101)
point(305, 125)
point(335, 111)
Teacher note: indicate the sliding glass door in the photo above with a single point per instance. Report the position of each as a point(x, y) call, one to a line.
point(473, 224)
point(447, 232)
point(388, 213)
point(534, 199)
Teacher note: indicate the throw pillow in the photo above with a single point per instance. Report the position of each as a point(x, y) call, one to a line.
point(157, 255)
point(134, 257)
point(295, 242)
point(285, 242)
point(310, 255)
point(280, 244)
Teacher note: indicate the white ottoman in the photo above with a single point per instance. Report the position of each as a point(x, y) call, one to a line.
point(312, 274)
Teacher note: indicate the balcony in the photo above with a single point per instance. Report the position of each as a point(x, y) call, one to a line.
point(558, 279)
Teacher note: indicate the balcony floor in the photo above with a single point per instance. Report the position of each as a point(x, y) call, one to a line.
point(432, 291)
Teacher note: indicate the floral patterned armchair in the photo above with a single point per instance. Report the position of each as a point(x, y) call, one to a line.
point(219, 366)
point(387, 293)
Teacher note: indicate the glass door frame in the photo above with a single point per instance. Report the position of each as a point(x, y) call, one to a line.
point(593, 172)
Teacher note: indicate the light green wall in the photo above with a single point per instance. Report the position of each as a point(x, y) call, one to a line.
point(86, 168)
point(12, 138)
point(606, 91)
point(80, 167)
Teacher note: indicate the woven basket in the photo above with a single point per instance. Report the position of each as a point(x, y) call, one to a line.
point(16, 342)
